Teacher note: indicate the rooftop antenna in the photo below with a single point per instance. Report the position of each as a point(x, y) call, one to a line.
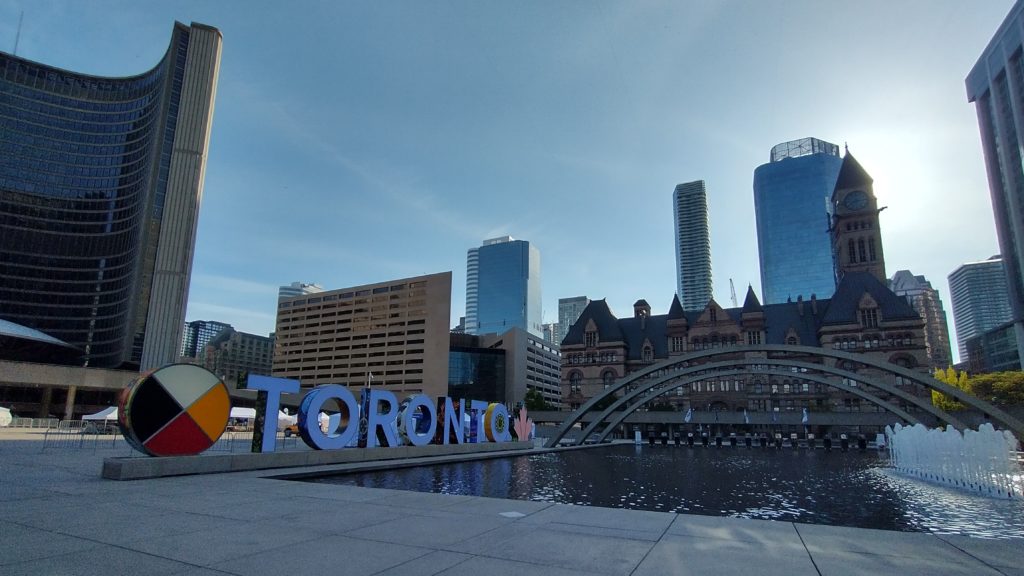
point(17, 36)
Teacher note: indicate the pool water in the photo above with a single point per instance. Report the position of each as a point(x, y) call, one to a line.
point(853, 488)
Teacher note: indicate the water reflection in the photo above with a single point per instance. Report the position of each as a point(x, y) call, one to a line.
point(811, 486)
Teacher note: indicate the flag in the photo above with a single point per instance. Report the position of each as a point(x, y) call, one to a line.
point(689, 415)
point(746, 417)
point(804, 418)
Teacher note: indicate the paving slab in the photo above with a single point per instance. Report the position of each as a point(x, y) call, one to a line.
point(595, 554)
point(100, 561)
point(684, 555)
point(57, 516)
point(329, 555)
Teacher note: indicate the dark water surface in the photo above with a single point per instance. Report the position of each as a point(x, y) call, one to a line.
point(810, 486)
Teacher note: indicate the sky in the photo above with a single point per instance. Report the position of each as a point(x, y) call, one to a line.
point(360, 142)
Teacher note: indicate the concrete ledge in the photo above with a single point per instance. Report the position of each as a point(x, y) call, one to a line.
point(140, 468)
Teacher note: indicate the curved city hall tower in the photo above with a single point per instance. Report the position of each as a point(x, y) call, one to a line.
point(100, 184)
point(856, 236)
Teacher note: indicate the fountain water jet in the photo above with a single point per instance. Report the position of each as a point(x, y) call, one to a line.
point(981, 460)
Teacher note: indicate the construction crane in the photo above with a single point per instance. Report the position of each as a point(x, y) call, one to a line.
point(732, 293)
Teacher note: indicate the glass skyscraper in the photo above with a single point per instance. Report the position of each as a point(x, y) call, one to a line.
point(791, 194)
point(503, 287)
point(569, 310)
point(693, 245)
point(980, 300)
point(996, 86)
point(100, 183)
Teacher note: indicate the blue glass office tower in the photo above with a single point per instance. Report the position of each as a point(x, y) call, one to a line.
point(503, 287)
point(100, 183)
point(791, 195)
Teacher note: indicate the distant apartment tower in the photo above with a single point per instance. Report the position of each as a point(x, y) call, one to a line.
point(995, 85)
point(391, 334)
point(503, 287)
point(298, 289)
point(791, 196)
point(232, 355)
point(693, 245)
point(198, 334)
point(926, 301)
point(980, 300)
point(569, 310)
point(550, 332)
point(100, 186)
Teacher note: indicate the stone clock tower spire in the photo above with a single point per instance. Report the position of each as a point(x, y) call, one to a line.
point(856, 235)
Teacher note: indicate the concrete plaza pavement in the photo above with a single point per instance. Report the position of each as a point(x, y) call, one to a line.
point(57, 516)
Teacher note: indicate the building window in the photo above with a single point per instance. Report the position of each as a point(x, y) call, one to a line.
point(852, 252)
point(648, 353)
point(714, 315)
point(574, 382)
point(869, 317)
point(753, 337)
point(861, 250)
point(608, 378)
point(791, 340)
point(590, 338)
point(678, 343)
point(871, 249)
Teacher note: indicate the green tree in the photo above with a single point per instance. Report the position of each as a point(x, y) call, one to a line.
point(949, 376)
point(534, 400)
point(999, 388)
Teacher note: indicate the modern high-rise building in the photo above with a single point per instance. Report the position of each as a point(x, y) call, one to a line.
point(569, 310)
point(198, 334)
point(391, 334)
point(100, 185)
point(693, 245)
point(926, 301)
point(503, 287)
point(995, 85)
point(232, 355)
point(298, 289)
point(791, 196)
point(980, 300)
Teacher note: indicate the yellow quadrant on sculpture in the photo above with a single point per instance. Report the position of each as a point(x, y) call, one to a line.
point(211, 411)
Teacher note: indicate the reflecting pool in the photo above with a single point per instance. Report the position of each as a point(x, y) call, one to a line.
point(810, 486)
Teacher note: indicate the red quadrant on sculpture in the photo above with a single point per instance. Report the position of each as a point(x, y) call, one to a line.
point(181, 436)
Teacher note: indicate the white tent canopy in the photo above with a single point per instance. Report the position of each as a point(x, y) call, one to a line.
point(243, 413)
point(5, 416)
point(108, 414)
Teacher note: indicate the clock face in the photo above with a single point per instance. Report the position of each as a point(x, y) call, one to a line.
point(855, 200)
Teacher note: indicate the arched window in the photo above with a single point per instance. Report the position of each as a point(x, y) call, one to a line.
point(871, 249)
point(608, 378)
point(590, 338)
point(574, 378)
point(861, 251)
point(791, 341)
point(648, 353)
point(852, 252)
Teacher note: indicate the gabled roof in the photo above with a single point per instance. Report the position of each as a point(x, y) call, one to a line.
point(751, 304)
point(843, 306)
point(675, 311)
point(607, 325)
point(653, 330)
point(852, 174)
point(779, 318)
